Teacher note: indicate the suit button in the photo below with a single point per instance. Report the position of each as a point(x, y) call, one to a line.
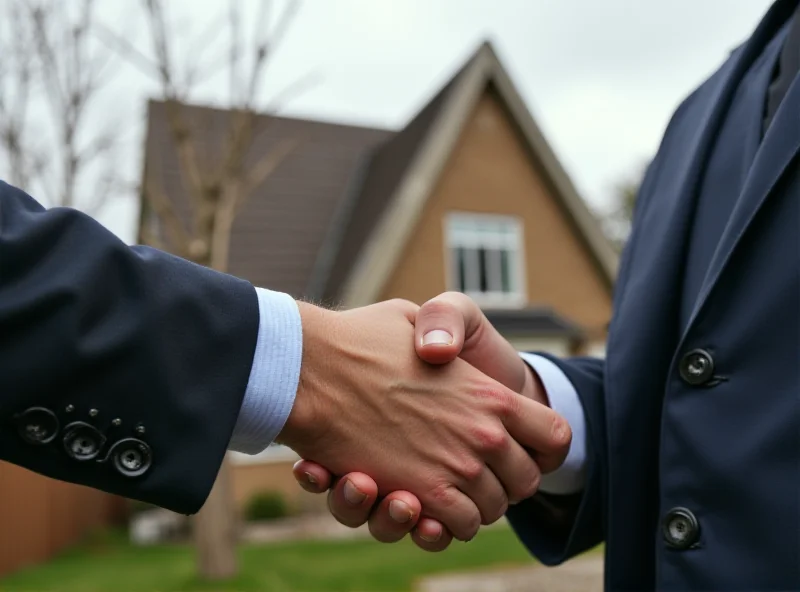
point(132, 457)
point(37, 425)
point(697, 367)
point(82, 441)
point(680, 528)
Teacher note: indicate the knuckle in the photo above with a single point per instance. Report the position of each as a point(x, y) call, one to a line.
point(504, 403)
point(442, 495)
point(471, 470)
point(437, 307)
point(498, 401)
point(493, 439)
point(456, 299)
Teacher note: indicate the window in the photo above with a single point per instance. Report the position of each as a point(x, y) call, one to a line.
point(485, 256)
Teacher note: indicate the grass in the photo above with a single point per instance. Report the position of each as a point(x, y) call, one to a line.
point(109, 564)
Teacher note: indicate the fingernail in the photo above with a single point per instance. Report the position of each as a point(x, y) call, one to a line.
point(310, 478)
point(431, 538)
point(400, 511)
point(352, 494)
point(437, 337)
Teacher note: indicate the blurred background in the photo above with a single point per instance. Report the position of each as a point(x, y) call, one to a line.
point(346, 151)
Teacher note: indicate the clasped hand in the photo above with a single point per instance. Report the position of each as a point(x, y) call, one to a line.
point(430, 418)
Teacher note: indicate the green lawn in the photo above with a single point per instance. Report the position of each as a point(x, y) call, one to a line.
point(110, 565)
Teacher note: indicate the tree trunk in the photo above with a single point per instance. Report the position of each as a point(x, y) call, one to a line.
point(216, 525)
point(215, 531)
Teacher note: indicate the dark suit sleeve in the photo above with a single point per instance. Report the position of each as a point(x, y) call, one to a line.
point(555, 528)
point(121, 368)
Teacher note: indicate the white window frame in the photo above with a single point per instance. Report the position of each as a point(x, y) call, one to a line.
point(514, 299)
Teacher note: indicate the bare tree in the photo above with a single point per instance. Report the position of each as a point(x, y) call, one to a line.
point(53, 67)
point(16, 73)
point(217, 182)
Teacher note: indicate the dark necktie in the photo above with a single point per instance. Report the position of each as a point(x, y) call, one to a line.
point(787, 69)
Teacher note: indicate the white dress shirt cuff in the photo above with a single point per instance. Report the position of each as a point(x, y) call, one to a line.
point(570, 477)
point(274, 375)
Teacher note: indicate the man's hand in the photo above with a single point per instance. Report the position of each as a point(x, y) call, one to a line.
point(446, 327)
point(450, 436)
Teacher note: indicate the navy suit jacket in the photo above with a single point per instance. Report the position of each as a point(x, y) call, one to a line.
point(728, 450)
point(120, 368)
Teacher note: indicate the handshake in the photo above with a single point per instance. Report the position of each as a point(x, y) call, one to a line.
point(420, 420)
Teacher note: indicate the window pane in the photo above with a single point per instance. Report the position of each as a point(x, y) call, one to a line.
point(483, 266)
point(505, 272)
point(493, 270)
point(472, 273)
point(460, 270)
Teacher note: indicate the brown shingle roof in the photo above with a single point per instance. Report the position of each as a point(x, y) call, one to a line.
point(277, 237)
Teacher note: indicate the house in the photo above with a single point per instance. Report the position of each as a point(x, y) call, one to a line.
point(468, 196)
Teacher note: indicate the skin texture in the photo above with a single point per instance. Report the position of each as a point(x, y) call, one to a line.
point(448, 327)
point(446, 438)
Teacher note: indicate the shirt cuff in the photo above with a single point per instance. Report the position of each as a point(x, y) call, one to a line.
point(274, 374)
point(570, 477)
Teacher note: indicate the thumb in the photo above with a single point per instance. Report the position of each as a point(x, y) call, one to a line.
point(442, 325)
point(452, 325)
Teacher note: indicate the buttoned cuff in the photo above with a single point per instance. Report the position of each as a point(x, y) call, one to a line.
point(570, 477)
point(274, 375)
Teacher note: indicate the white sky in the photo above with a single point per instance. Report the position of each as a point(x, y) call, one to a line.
point(601, 77)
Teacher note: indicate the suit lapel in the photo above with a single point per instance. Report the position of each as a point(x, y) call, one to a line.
point(672, 217)
point(778, 149)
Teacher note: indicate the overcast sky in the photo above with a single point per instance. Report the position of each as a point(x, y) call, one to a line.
point(601, 77)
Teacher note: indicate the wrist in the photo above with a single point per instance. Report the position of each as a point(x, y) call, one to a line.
point(306, 419)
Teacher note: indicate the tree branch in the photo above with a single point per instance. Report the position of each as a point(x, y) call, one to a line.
point(158, 30)
point(234, 51)
point(262, 169)
point(165, 211)
point(187, 154)
point(194, 56)
point(292, 90)
point(266, 44)
point(16, 72)
point(127, 50)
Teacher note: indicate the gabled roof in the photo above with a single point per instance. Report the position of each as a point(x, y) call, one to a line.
point(331, 221)
point(390, 205)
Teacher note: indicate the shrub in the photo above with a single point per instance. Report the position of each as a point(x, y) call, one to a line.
point(266, 505)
